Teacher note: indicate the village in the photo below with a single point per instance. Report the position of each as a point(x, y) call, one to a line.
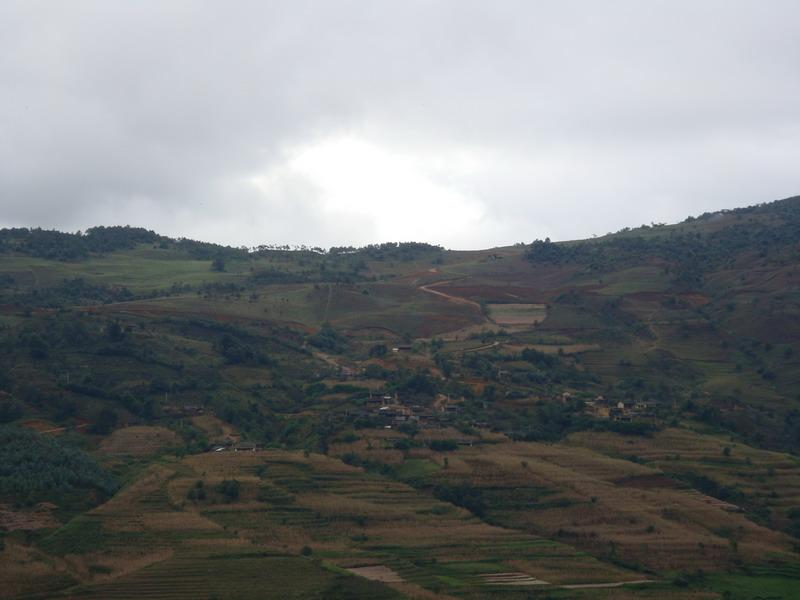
point(620, 410)
point(388, 411)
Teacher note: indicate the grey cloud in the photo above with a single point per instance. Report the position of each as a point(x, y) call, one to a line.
point(584, 116)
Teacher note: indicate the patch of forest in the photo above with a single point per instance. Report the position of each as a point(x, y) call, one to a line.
point(769, 232)
point(38, 468)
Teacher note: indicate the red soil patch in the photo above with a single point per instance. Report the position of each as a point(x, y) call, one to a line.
point(696, 299)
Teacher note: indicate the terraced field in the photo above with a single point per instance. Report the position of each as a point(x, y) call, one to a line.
point(139, 441)
point(297, 522)
point(767, 479)
point(607, 506)
point(242, 576)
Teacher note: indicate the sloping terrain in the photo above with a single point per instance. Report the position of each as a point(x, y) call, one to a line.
point(608, 418)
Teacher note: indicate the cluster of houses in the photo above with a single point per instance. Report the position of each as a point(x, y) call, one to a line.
point(620, 410)
point(231, 445)
point(182, 410)
point(390, 411)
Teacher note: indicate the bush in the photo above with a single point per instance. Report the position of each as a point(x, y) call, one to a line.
point(9, 411)
point(378, 350)
point(105, 421)
point(463, 496)
point(229, 488)
point(443, 445)
point(328, 339)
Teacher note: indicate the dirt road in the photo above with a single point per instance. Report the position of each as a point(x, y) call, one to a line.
point(454, 299)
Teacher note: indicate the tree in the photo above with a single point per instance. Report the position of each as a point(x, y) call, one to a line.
point(114, 331)
point(378, 350)
point(9, 411)
point(105, 421)
point(38, 348)
point(229, 488)
point(218, 264)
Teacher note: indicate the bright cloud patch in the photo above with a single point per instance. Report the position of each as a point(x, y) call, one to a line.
point(387, 195)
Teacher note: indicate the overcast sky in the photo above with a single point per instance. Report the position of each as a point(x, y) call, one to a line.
point(331, 122)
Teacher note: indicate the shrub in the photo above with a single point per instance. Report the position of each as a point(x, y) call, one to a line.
point(443, 445)
point(229, 488)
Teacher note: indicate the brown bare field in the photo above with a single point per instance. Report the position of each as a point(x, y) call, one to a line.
point(27, 519)
point(518, 314)
point(24, 570)
point(139, 440)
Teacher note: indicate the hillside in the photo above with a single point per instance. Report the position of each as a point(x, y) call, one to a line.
point(616, 417)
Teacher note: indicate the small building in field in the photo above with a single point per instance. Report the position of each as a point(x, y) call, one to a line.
point(245, 447)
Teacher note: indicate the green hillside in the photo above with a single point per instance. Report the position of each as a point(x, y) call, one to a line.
point(620, 411)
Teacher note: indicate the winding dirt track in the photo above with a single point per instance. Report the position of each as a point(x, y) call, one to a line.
point(58, 429)
point(455, 299)
point(455, 335)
